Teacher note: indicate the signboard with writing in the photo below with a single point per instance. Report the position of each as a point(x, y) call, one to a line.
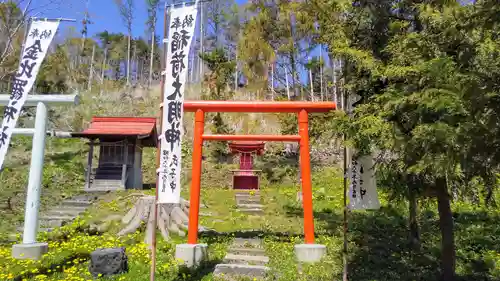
point(37, 42)
point(181, 31)
point(363, 186)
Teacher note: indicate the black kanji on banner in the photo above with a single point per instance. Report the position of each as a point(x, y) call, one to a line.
point(18, 88)
point(32, 51)
point(3, 136)
point(188, 21)
point(176, 23)
point(177, 62)
point(173, 135)
point(164, 174)
point(179, 40)
point(10, 110)
point(174, 110)
point(177, 89)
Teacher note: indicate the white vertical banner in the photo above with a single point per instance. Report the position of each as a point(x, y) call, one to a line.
point(38, 39)
point(180, 35)
point(363, 184)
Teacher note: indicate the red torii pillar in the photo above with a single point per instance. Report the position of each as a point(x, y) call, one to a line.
point(302, 109)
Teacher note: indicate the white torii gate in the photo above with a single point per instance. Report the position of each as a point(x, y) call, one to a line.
point(30, 249)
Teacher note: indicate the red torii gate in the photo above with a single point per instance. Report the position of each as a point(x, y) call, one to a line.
point(302, 109)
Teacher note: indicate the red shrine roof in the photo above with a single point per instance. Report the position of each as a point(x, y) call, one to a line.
point(247, 146)
point(143, 128)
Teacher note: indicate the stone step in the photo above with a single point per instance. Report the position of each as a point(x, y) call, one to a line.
point(40, 229)
point(247, 243)
point(252, 271)
point(78, 203)
point(252, 211)
point(246, 259)
point(247, 201)
point(102, 189)
point(51, 223)
point(70, 208)
point(64, 212)
point(249, 206)
point(247, 251)
point(247, 195)
point(57, 217)
point(85, 197)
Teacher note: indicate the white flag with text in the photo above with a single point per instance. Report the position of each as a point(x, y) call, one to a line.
point(363, 184)
point(181, 31)
point(38, 39)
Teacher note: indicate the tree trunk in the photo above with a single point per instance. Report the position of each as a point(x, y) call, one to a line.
point(151, 58)
point(414, 235)
point(448, 255)
point(128, 59)
point(104, 64)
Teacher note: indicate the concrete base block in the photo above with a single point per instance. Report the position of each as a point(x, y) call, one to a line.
point(33, 251)
point(191, 254)
point(310, 253)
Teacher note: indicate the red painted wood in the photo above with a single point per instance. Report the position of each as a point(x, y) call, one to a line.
point(245, 182)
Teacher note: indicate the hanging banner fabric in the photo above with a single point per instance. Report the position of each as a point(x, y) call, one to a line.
point(181, 32)
point(38, 39)
point(363, 185)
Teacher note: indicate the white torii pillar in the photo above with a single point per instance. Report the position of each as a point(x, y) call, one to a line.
point(30, 249)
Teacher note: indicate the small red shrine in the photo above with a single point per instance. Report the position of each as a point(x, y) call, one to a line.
point(246, 177)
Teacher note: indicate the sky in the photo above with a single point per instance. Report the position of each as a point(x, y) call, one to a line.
point(105, 16)
point(103, 13)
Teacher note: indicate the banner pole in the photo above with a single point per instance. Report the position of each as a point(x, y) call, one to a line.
point(158, 149)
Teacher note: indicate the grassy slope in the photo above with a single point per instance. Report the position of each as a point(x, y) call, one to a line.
point(377, 239)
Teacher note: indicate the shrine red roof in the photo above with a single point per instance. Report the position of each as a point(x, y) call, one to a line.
point(247, 146)
point(143, 128)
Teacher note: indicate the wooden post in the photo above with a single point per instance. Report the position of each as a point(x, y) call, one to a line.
point(125, 163)
point(163, 62)
point(89, 163)
point(305, 169)
point(194, 199)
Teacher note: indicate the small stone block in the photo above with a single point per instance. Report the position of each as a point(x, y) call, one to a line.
point(310, 253)
point(192, 255)
point(33, 251)
point(108, 262)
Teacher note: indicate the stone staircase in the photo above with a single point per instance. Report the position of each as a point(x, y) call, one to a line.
point(245, 258)
point(65, 212)
point(249, 202)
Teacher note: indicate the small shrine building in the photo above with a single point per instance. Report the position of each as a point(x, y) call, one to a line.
point(119, 142)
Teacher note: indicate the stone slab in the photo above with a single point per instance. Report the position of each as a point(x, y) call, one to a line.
point(249, 206)
point(252, 211)
point(192, 255)
point(64, 212)
point(247, 251)
point(247, 201)
point(33, 251)
point(246, 259)
point(247, 243)
point(51, 223)
point(82, 203)
point(255, 271)
point(310, 253)
point(66, 217)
